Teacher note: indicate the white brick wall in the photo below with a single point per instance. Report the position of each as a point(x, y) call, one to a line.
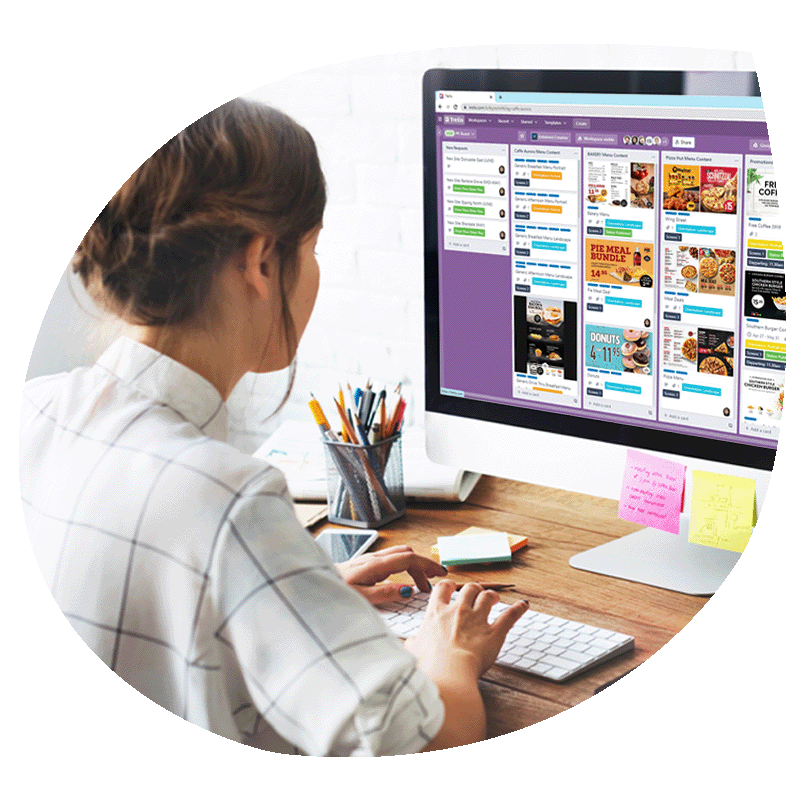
point(365, 116)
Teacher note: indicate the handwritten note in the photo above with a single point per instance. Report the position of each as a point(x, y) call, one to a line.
point(723, 510)
point(652, 491)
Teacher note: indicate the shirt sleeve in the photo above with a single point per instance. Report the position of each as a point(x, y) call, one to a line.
point(319, 663)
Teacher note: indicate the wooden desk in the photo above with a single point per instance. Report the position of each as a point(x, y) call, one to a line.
point(558, 524)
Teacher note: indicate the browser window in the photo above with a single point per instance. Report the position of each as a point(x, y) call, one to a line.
point(617, 257)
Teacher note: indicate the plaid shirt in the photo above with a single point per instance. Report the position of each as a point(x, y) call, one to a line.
point(180, 562)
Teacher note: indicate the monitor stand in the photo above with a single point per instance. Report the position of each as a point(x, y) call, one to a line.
point(661, 559)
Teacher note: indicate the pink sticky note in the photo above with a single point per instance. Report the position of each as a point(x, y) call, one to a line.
point(652, 491)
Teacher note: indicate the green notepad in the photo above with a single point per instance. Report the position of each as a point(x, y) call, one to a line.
point(484, 548)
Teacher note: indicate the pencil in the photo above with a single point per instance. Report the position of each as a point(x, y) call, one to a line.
point(341, 402)
point(346, 423)
point(396, 418)
point(318, 414)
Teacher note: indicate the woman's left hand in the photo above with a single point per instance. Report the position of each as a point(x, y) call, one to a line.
point(365, 573)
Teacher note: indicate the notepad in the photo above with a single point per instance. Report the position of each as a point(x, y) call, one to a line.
point(515, 541)
point(481, 548)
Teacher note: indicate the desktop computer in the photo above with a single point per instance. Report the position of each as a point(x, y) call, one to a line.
point(603, 273)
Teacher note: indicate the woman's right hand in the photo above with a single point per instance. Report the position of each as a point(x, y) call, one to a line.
point(458, 636)
point(454, 646)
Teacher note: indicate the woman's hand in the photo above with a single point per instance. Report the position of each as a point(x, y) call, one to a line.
point(365, 573)
point(458, 635)
point(454, 646)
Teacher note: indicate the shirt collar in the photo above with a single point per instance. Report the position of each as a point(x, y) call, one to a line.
point(167, 381)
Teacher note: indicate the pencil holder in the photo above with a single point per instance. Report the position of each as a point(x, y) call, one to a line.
point(365, 482)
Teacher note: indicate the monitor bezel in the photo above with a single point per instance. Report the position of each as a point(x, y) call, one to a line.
point(563, 81)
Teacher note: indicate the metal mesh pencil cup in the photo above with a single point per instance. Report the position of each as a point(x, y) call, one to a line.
point(365, 482)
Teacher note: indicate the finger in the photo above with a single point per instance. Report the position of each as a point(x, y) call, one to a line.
point(396, 548)
point(380, 566)
point(442, 592)
point(509, 616)
point(403, 560)
point(486, 599)
point(468, 594)
point(386, 593)
point(421, 569)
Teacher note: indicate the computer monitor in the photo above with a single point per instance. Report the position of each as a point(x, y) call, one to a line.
point(603, 272)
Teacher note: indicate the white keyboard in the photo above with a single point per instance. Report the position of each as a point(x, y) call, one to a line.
point(549, 647)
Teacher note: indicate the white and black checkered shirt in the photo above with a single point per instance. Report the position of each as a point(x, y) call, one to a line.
point(180, 562)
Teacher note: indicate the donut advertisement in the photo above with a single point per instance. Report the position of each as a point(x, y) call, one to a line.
point(618, 349)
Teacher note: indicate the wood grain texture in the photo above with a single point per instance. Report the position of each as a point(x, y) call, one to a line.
point(558, 524)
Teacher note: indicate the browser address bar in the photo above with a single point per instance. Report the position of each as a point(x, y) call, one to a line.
point(505, 108)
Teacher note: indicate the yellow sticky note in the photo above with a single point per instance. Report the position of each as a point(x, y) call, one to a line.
point(723, 510)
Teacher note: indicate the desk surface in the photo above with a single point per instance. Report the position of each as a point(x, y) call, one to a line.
point(558, 524)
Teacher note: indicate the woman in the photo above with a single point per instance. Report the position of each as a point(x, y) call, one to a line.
point(177, 558)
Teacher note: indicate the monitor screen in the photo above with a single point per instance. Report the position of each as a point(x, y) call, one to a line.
point(603, 258)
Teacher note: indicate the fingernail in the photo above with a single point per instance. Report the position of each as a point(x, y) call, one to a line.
point(406, 591)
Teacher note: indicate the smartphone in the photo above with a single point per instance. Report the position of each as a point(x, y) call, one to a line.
point(343, 545)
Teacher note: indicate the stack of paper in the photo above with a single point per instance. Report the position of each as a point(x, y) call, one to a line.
point(481, 548)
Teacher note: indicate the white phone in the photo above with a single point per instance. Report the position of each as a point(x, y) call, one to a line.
point(343, 545)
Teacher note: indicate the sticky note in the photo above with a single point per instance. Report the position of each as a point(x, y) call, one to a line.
point(478, 549)
point(724, 510)
point(652, 491)
point(515, 541)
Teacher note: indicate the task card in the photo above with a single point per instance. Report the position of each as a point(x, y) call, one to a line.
point(478, 549)
point(723, 510)
point(652, 491)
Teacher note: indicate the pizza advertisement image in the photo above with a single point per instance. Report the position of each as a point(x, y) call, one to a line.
point(679, 348)
point(619, 263)
point(717, 271)
point(719, 189)
point(715, 352)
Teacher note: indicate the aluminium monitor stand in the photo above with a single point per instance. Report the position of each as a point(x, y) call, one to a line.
point(661, 559)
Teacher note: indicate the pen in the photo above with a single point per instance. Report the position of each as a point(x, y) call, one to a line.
point(353, 407)
point(497, 587)
point(374, 409)
point(366, 401)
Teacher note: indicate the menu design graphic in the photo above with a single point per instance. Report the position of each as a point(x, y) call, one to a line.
point(628, 263)
point(618, 349)
point(718, 192)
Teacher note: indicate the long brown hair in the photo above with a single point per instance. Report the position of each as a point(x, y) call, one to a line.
point(243, 169)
